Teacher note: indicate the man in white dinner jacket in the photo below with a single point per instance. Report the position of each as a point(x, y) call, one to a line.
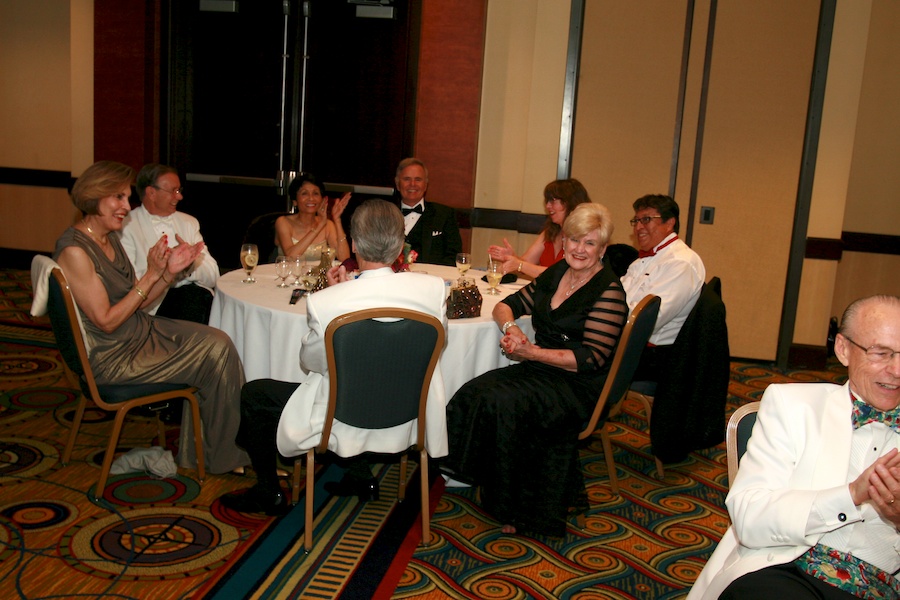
point(288, 418)
point(190, 296)
point(665, 267)
point(814, 506)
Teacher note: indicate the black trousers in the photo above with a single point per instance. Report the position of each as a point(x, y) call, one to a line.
point(189, 302)
point(782, 581)
point(262, 402)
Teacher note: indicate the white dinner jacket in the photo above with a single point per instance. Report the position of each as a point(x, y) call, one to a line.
point(300, 426)
point(138, 236)
point(802, 424)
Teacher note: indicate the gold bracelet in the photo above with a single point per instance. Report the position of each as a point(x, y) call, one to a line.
point(343, 239)
point(164, 279)
point(519, 270)
point(140, 292)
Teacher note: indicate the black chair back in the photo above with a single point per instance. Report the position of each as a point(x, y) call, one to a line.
point(740, 426)
point(261, 232)
point(635, 334)
point(61, 322)
point(379, 370)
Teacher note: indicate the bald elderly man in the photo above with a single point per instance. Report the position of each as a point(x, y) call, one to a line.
point(814, 507)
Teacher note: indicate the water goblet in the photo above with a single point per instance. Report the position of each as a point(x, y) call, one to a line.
point(282, 270)
point(297, 264)
point(494, 275)
point(249, 259)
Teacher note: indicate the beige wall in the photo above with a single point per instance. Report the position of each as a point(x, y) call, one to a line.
point(829, 194)
point(46, 57)
point(521, 110)
point(751, 144)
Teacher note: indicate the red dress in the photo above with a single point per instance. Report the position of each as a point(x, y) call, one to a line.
point(547, 256)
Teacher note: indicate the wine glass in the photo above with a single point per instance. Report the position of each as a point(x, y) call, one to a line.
point(308, 274)
point(249, 258)
point(297, 263)
point(282, 270)
point(494, 275)
point(463, 262)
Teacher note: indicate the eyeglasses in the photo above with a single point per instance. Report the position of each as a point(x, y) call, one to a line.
point(875, 354)
point(173, 192)
point(643, 220)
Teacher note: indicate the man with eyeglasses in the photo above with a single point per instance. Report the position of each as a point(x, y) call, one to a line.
point(665, 267)
point(814, 506)
point(190, 296)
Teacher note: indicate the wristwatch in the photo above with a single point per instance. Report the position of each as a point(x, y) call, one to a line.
point(507, 325)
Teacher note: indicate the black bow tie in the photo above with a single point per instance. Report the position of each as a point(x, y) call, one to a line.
point(416, 209)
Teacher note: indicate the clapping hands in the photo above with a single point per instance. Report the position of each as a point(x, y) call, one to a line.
point(173, 260)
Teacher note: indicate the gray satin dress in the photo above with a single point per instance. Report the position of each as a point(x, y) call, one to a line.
point(149, 349)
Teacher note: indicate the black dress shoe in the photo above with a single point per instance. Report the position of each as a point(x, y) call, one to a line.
point(256, 500)
point(366, 489)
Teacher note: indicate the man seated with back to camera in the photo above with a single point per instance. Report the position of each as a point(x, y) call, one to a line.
point(814, 506)
point(430, 228)
point(665, 267)
point(159, 188)
point(278, 416)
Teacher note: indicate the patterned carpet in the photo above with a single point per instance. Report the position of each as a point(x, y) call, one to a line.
point(170, 538)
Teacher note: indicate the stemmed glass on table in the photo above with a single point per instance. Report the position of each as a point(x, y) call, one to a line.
point(249, 259)
point(494, 275)
point(283, 268)
point(305, 272)
point(463, 262)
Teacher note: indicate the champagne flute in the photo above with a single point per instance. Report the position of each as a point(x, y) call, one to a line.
point(463, 262)
point(249, 258)
point(282, 270)
point(494, 275)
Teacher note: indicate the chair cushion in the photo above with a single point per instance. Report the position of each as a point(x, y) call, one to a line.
point(647, 388)
point(115, 394)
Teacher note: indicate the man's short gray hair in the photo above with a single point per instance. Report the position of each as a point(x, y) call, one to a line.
point(377, 229)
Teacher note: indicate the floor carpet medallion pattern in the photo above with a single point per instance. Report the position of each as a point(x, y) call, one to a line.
point(150, 538)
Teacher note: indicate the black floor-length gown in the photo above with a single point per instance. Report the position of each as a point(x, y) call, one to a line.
point(513, 431)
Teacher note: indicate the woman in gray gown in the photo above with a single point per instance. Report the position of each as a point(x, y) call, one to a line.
point(126, 344)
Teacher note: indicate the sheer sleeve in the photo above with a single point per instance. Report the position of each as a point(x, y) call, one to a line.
point(602, 329)
point(522, 302)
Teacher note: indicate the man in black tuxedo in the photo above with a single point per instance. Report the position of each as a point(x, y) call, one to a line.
point(431, 228)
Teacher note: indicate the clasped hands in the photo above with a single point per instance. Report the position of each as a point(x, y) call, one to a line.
point(173, 260)
point(515, 345)
point(879, 485)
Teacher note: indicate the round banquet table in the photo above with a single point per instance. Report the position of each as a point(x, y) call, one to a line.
point(268, 331)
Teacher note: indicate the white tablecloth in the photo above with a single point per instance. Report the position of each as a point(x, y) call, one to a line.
point(267, 330)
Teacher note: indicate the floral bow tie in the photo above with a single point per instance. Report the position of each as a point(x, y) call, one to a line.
point(864, 414)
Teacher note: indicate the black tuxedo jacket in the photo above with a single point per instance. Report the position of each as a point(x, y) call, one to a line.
point(435, 236)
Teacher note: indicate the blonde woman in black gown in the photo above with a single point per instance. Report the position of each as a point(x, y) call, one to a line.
point(513, 431)
point(127, 345)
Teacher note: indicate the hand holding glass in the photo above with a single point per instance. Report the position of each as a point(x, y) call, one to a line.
point(249, 258)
